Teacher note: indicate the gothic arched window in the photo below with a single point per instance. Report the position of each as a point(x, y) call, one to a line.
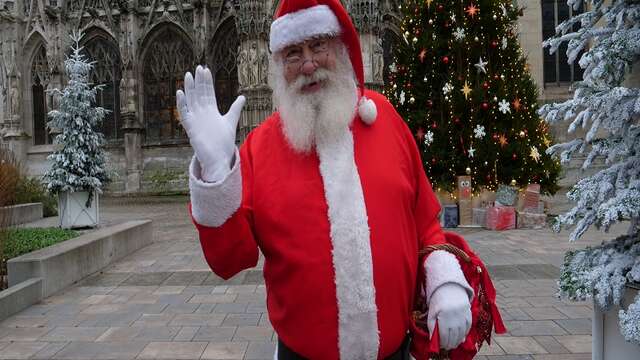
point(106, 72)
point(222, 57)
point(166, 60)
point(39, 80)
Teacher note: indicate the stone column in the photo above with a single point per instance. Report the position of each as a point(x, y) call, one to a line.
point(132, 151)
point(366, 18)
point(253, 20)
point(14, 136)
point(132, 126)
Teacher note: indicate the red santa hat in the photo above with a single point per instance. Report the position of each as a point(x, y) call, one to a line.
point(298, 20)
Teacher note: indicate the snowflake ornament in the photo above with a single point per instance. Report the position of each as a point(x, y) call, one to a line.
point(447, 88)
point(459, 34)
point(393, 68)
point(428, 138)
point(479, 132)
point(504, 9)
point(504, 106)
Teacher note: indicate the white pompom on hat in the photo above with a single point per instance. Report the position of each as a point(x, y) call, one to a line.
point(298, 20)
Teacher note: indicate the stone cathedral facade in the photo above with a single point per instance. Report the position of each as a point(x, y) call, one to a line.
point(142, 49)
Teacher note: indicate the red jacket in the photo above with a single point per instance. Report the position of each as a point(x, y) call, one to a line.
point(289, 212)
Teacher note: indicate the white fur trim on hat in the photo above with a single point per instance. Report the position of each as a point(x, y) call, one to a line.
point(358, 336)
point(367, 110)
point(294, 28)
point(213, 203)
point(442, 267)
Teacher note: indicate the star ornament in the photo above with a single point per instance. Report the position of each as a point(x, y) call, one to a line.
point(472, 10)
point(502, 140)
point(422, 55)
point(429, 3)
point(481, 66)
point(472, 151)
point(535, 155)
point(516, 104)
point(466, 90)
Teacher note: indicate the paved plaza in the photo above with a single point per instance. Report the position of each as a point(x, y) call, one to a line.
point(163, 302)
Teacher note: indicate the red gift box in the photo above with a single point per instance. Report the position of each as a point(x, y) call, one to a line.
point(501, 218)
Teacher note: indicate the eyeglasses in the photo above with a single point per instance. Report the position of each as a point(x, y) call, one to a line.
point(294, 55)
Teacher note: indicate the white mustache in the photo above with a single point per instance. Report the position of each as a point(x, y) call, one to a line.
point(304, 80)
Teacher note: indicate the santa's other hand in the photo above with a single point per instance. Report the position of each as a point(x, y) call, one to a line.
point(211, 134)
point(449, 306)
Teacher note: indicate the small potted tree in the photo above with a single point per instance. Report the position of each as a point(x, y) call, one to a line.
point(607, 104)
point(77, 171)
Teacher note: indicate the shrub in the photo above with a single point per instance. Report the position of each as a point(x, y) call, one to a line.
point(9, 177)
point(24, 240)
point(30, 190)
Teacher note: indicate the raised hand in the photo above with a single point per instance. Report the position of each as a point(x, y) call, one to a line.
point(211, 134)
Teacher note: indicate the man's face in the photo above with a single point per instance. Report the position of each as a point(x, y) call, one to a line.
point(306, 58)
point(315, 91)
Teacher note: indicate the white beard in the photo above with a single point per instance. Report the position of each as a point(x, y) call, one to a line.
point(320, 116)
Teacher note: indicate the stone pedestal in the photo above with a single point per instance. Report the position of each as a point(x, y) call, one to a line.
point(132, 151)
point(16, 140)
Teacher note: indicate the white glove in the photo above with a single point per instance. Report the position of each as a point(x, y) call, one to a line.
point(211, 134)
point(449, 305)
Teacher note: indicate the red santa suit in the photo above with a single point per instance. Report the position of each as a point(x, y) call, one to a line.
point(339, 227)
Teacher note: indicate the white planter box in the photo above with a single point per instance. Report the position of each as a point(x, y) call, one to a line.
point(608, 343)
point(72, 210)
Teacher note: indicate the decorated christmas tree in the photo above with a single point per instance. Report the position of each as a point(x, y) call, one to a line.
point(607, 105)
point(461, 82)
point(78, 161)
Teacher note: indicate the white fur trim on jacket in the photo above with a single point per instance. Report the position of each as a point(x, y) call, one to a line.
point(358, 336)
point(442, 267)
point(213, 203)
point(294, 28)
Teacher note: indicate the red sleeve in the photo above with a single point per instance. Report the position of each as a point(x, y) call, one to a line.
point(231, 248)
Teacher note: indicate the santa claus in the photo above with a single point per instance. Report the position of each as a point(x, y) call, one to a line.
point(330, 188)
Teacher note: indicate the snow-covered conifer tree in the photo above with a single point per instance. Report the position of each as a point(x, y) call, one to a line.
point(78, 161)
point(607, 105)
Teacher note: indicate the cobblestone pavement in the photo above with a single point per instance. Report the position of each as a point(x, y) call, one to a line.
point(162, 302)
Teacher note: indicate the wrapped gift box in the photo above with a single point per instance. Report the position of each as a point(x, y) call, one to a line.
point(479, 216)
point(465, 212)
point(501, 218)
point(449, 217)
point(506, 195)
point(528, 220)
point(531, 198)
